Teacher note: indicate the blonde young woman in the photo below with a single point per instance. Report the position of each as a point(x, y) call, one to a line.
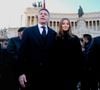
point(69, 55)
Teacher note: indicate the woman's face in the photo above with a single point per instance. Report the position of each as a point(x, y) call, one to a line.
point(65, 25)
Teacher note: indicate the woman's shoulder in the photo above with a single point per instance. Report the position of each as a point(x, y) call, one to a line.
point(76, 38)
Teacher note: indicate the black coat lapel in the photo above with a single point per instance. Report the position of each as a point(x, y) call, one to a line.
point(37, 36)
point(49, 37)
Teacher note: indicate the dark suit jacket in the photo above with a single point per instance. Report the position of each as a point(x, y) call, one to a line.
point(96, 56)
point(91, 63)
point(13, 47)
point(8, 61)
point(35, 54)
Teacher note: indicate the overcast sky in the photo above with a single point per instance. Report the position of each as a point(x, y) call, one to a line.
point(12, 10)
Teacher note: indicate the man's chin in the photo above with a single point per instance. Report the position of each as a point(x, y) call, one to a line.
point(43, 22)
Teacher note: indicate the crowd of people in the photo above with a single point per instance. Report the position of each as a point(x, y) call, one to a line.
point(40, 58)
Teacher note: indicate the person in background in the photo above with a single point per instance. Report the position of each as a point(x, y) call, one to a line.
point(3, 64)
point(14, 44)
point(69, 57)
point(12, 50)
point(89, 78)
point(35, 55)
point(97, 58)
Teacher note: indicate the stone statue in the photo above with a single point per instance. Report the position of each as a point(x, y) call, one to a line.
point(80, 12)
point(39, 4)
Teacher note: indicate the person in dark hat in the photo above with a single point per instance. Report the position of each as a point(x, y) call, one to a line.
point(90, 63)
point(14, 43)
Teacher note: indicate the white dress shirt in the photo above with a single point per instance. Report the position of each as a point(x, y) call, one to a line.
point(41, 29)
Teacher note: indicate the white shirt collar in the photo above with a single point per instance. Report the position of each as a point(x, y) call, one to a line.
point(40, 29)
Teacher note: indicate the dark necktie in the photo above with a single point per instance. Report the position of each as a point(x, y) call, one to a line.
point(44, 32)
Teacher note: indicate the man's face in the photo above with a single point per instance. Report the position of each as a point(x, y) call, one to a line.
point(43, 17)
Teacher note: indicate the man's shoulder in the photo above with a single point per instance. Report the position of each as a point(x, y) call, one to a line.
point(14, 38)
point(52, 30)
point(30, 28)
point(97, 40)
